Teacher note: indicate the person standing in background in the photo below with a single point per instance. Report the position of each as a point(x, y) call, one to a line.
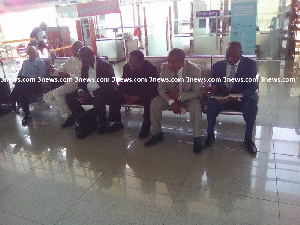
point(40, 36)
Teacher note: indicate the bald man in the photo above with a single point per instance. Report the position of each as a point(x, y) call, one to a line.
point(33, 68)
point(234, 68)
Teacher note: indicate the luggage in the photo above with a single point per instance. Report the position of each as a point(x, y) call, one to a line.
point(4, 95)
point(86, 124)
point(4, 91)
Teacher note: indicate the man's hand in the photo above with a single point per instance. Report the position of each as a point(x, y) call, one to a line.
point(226, 100)
point(63, 74)
point(84, 97)
point(126, 98)
point(133, 99)
point(213, 90)
point(176, 108)
point(51, 68)
point(174, 95)
point(130, 99)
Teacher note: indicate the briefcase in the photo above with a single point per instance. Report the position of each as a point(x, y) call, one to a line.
point(86, 124)
point(4, 91)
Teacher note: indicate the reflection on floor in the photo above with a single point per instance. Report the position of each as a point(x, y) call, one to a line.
point(47, 176)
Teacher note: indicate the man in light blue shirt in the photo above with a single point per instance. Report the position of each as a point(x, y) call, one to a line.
point(28, 83)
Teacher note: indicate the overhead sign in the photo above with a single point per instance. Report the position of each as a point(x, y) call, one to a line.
point(98, 8)
point(208, 13)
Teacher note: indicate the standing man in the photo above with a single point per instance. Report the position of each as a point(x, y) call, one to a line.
point(27, 83)
point(142, 89)
point(71, 68)
point(234, 68)
point(177, 94)
point(98, 88)
point(39, 34)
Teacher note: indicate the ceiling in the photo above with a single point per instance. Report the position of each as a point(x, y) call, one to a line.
point(8, 6)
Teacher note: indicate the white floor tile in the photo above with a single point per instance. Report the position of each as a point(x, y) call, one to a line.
point(123, 199)
point(198, 206)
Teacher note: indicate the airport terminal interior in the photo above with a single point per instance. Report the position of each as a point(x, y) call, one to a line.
point(47, 176)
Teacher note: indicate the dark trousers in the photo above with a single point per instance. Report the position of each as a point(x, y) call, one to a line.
point(99, 102)
point(22, 92)
point(248, 106)
point(146, 102)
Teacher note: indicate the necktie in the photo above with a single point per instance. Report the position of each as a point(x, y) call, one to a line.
point(176, 83)
point(231, 76)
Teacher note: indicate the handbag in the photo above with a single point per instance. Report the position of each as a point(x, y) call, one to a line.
point(86, 124)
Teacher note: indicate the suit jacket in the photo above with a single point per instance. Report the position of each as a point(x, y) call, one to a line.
point(144, 89)
point(247, 69)
point(103, 70)
point(190, 90)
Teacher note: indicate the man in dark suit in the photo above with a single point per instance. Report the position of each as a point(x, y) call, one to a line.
point(97, 86)
point(141, 89)
point(234, 68)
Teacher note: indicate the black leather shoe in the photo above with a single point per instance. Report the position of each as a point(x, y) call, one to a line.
point(197, 145)
point(208, 140)
point(154, 139)
point(69, 122)
point(116, 126)
point(26, 120)
point(251, 147)
point(144, 133)
point(103, 128)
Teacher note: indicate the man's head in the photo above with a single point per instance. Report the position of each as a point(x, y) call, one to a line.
point(43, 26)
point(32, 52)
point(86, 55)
point(75, 48)
point(233, 52)
point(136, 59)
point(176, 59)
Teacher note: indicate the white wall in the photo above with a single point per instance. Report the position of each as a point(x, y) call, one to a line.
point(19, 25)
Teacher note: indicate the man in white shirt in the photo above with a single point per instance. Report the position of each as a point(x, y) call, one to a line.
point(235, 68)
point(70, 69)
point(97, 87)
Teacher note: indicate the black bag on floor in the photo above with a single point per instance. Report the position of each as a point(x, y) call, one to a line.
point(86, 124)
point(4, 91)
point(4, 95)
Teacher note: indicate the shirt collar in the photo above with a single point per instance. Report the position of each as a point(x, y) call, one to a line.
point(179, 72)
point(236, 65)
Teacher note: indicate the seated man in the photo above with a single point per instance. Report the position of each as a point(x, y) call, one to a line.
point(142, 89)
point(177, 95)
point(71, 68)
point(99, 90)
point(235, 66)
point(27, 83)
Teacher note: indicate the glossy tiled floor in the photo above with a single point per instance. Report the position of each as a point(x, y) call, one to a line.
point(49, 177)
